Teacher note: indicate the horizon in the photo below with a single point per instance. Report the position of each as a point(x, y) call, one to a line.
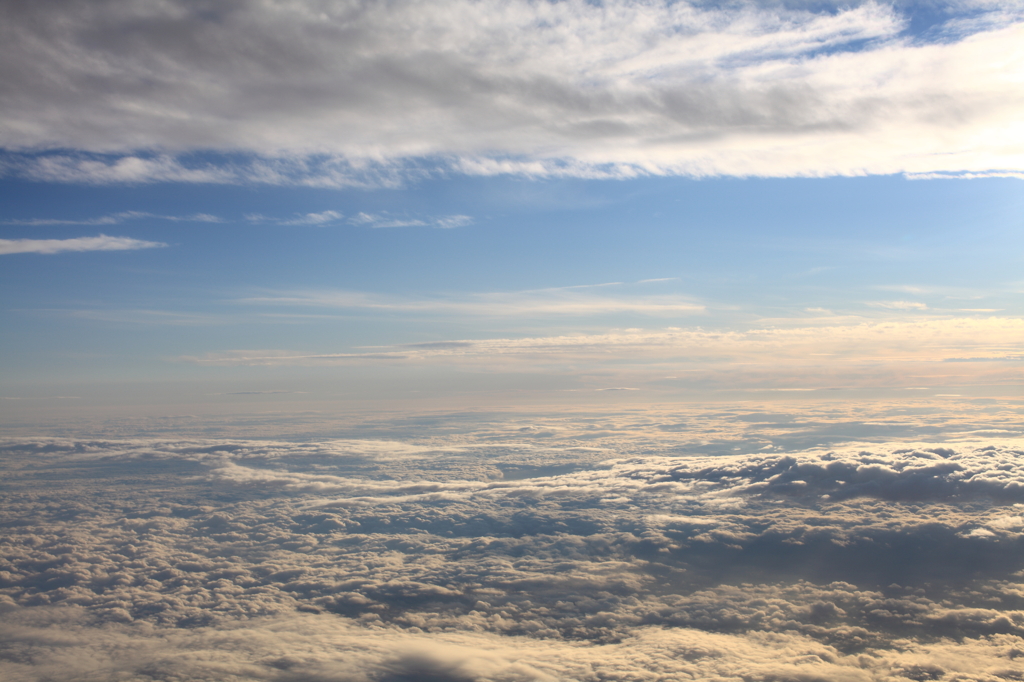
point(512, 341)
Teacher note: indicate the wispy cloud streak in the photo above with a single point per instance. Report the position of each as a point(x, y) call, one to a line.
point(877, 354)
point(116, 219)
point(573, 300)
point(52, 246)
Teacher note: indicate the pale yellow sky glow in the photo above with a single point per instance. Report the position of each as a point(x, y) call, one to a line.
point(890, 354)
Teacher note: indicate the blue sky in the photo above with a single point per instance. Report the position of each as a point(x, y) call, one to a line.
point(510, 202)
point(529, 259)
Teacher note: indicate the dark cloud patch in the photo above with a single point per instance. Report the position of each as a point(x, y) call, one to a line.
point(424, 668)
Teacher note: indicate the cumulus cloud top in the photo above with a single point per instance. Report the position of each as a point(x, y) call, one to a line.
point(493, 559)
point(372, 92)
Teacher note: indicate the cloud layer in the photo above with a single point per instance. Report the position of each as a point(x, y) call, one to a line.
point(483, 559)
point(371, 92)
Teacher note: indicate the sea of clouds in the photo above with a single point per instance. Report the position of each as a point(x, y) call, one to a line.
point(485, 556)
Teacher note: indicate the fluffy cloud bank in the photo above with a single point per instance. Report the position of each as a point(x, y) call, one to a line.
point(474, 560)
point(355, 92)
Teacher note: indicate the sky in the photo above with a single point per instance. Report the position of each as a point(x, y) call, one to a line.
point(233, 205)
point(511, 341)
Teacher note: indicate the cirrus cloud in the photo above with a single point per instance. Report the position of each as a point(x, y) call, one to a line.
point(99, 243)
point(374, 92)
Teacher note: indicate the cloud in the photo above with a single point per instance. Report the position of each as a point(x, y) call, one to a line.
point(386, 220)
point(322, 218)
point(451, 221)
point(328, 649)
point(363, 219)
point(115, 170)
point(372, 220)
point(572, 300)
point(378, 93)
point(585, 430)
point(964, 176)
point(387, 560)
point(899, 305)
point(51, 246)
point(117, 218)
point(289, 307)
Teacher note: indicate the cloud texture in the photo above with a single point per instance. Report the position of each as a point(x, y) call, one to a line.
point(117, 218)
point(497, 559)
point(51, 246)
point(336, 93)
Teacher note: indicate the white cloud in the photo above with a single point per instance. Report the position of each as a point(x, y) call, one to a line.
point(322, 218)
point(385, 219)
point(382, 219)
point(377, 220)
point(99, 243)
point(377, 560)
point(898, 305)
point(965, 176)
point(450, 221)
point(371, 93)
point(572, 300)
point(124, 169)
point(117, 218)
